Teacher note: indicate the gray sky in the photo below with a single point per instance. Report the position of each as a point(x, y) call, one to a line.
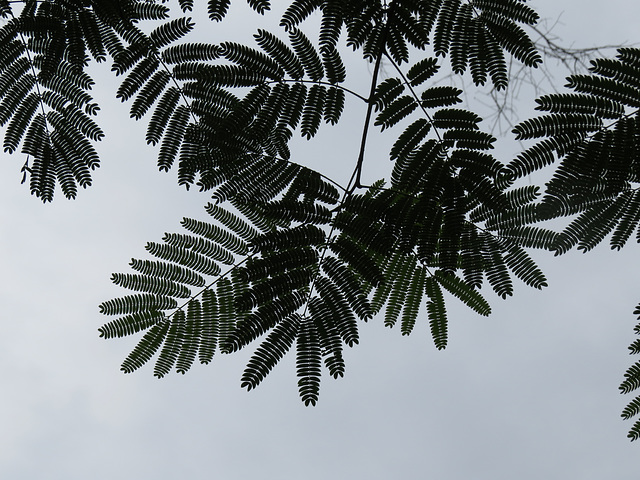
point(528, 393)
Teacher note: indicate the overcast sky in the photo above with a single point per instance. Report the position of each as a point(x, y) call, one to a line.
point(528, 393)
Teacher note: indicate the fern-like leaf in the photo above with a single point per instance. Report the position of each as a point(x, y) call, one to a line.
point(437, 313)
point(307, 54)
point(308, 362)
point(467, 294)
point(270, 352)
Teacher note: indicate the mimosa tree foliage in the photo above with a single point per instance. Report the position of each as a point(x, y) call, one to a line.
point(290, 259)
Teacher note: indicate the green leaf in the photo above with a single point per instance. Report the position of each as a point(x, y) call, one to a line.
point(437, 313)
point(466, 293)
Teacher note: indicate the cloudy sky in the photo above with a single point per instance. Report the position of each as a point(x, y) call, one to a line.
point(528, 393)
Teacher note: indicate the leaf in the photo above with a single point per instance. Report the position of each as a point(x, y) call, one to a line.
point(173, 136)
point(312, 113)
point(308, 360)
point(440, 96)
point(137, 303)
point(333, 65)
point(437, 313)
point(339, 310)
point(553, 125)
point(280, 53)
point(307, 55)
point(334, 105)
point(524, 267)
point(296, 12)
point(188, 352)
point(270, 352)
point(173, 342)
point(260, 6)
point(395, 112)
point(412, 301)
point(422, 71)
point(466, 293)
point(386, 92)
point(216, 234)
point(217, 9)
point(349, 285)
point(184, 257)
point(251, 59)
point(130, 324)
point(496, 269)
point(210, 326)
point(403, 274)
point(146, 283)
point(146, 348)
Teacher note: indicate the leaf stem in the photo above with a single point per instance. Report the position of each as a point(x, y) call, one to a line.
point(374, 83)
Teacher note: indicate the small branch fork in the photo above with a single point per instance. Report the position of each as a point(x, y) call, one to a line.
point(357, 173)
point(365, 130)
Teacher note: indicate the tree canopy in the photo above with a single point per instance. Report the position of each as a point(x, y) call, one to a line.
point(291, 258)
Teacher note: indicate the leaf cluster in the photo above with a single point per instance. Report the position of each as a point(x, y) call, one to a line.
point(593, 133)
point(289, 259)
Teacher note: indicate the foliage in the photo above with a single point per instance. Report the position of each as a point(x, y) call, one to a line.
point(593, 132)
point(290, 256)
